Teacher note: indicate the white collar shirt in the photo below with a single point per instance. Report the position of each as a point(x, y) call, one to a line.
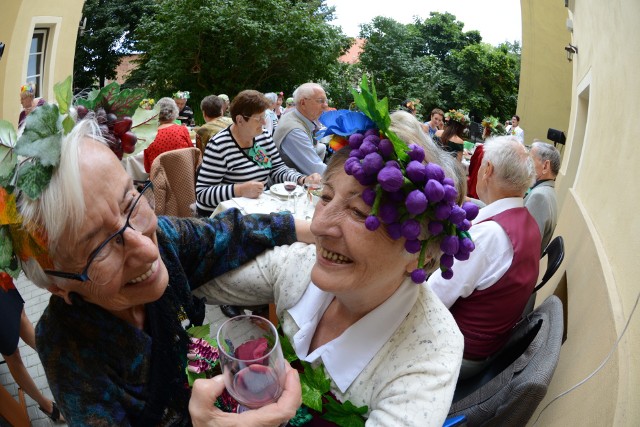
point(360, 342)
point(487, 263)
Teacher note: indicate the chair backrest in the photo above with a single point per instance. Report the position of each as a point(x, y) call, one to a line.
point(173, 174)
point(509, 390)
point(555, 254)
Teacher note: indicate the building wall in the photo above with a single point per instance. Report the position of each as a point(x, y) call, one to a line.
point(544, 99)
point(599, 279)
point(17, 22)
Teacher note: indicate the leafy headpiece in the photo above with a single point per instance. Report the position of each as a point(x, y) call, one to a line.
point(460, 116)
point(181, 94)
point(27, 163)
point(404, 193)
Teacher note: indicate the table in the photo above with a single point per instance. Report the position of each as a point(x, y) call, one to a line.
point(268, 203)
point(134, 165)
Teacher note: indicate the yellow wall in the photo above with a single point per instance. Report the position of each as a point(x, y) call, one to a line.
point(598, 212)
point(17, 22)
point(544, 98)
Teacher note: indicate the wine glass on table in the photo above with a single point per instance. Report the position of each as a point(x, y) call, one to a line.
point(311, 189)
point(290, 187)
point(251, 361)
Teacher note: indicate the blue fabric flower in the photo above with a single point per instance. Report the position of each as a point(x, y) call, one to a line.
point(344, 123)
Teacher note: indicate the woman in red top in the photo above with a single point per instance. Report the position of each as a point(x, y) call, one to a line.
point(170, 136)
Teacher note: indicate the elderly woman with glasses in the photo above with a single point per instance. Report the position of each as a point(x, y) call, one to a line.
point(112, 340)
point(240, 160)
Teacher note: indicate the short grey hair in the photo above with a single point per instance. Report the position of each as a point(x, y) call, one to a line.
point(544, 152)
point(61, 206)
point(305, 90)
point(271, 96)
point(511, 163)
point(168, 110)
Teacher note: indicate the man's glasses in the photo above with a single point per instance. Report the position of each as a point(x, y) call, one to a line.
point(320, 100)
point(139, 218)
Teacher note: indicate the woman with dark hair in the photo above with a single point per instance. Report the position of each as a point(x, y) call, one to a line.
point(451, 138)
point(243, 157)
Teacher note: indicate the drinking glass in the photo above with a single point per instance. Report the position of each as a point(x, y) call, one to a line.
point(251, 360)
point(311, 189)
point(290, 186)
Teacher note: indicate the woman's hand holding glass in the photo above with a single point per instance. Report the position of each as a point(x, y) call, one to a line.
point(205, 414)
point(251, 360)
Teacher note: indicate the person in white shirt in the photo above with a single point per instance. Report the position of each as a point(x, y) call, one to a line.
point(515, 129)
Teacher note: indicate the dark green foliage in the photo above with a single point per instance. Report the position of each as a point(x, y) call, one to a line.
point(442, 66)
point(107, 36)
point(222, 46)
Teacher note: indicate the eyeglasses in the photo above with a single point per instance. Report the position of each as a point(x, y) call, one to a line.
point(258, 119)
point(139, 218)
point(320, 100)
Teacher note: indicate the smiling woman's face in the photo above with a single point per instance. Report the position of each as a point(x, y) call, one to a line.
point(350, 258)
point(132, 273)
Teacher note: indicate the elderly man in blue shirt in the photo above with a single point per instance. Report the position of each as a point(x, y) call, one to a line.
point(294, 134)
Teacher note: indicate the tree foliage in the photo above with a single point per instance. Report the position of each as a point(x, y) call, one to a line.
point(437, 62)
point(107, 36)
point(224, 46)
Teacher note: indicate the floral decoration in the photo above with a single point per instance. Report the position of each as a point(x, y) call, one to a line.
point(29, 88)
point(147, 103)
point(460, 116)
point(404, 193)
point(495, 128)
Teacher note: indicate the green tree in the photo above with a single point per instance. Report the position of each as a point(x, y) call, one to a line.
point(442, 66)
point(223, 46)
point(108, 35)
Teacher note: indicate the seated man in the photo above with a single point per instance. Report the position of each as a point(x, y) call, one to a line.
point(541, 200)
point(294, 134)
point(488, 292)
point(185, 113)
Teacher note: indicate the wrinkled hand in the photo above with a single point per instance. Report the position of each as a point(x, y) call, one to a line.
point(314, 178)
point(205, 414)
point(251, 189)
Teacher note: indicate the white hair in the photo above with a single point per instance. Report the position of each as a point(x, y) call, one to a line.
point(60, 208)
point(544, 152)
point(511, 163)
point(305, 90)
point(271, 96)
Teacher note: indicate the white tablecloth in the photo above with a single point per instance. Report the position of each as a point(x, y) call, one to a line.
point(134, 165)
point(268, 203)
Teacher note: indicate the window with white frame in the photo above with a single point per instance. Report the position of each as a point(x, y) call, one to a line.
point(35, 68)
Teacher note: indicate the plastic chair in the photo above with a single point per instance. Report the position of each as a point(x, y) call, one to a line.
point(509, 390)
point(555, 255)
point(173, 174)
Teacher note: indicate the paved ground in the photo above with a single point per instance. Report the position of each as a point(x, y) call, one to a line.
point(36, 300)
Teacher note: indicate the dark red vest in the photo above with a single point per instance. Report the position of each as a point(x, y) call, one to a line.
point(487, 316)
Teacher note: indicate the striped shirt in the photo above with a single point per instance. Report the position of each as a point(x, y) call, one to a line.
point(225, 163)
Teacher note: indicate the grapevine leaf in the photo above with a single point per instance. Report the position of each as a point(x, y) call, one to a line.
point(8, 210)
point(67, 124)
point(42, 137)
point(8, 161)
point(30, 245)
point(126, 102)
point(287, 349)
point(311, 397)
point(345, 414)
point(315, 377)
point(6, 248)
point(199, 331)
point(33, 178)
point(7, 134)
point(193, 376)
point(106, 95)
point(64, 95)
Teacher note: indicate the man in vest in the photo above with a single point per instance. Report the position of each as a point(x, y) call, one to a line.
point(294, 134)
point(489, 291)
